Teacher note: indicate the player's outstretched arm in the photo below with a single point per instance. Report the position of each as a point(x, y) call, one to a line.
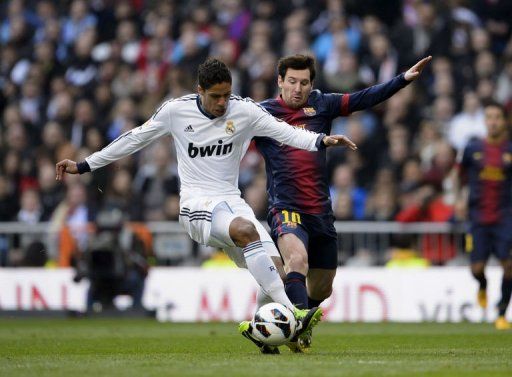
point(126, 144)
point(266, 125)
point(412, 73)
point(373, 95)
point(339, 141)
point(63, 167)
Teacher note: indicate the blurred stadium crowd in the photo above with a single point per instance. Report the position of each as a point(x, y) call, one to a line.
point(74, 75)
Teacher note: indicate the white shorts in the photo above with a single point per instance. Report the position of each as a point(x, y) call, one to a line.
point(197, 214)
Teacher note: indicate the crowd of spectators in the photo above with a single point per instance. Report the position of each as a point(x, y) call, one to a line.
point(74, 75)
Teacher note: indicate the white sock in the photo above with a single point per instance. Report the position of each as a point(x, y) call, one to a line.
point(260, 265)
point(262, 298)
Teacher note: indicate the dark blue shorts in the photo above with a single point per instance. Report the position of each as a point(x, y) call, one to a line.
point(487, 239)
point(317, 232)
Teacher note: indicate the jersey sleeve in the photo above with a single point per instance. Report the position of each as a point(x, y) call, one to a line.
point(133, 140)
point(336, 103)
point(265, 124)
point(345, 104)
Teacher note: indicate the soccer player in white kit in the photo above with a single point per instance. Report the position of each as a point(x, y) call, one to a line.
point(212, 131)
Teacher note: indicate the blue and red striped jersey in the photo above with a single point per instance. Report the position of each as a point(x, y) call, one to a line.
point(297, 179)
point(488, 169)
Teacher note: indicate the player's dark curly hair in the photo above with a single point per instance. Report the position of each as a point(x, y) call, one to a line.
point(494, 103)
point(212, 72)
point(297, 62)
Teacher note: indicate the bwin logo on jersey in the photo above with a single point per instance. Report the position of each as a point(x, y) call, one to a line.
point(209, 150)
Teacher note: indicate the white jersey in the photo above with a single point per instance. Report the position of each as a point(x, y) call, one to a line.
point(209, 150)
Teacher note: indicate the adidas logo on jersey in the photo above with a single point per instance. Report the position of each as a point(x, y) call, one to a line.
point(189, 129)
point(209, 150)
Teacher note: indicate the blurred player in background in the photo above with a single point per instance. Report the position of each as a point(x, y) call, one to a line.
point(300, 214)
point(486, 165)
point(212, 131)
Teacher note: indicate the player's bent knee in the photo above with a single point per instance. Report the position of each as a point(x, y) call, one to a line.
point(242, 232)
point(507, 269)
point(477, 268)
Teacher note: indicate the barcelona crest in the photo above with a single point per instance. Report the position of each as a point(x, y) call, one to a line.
point(309, 111)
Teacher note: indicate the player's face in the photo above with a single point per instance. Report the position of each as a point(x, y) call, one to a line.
point(295, 87)
point(215, 99)
point(495, 122)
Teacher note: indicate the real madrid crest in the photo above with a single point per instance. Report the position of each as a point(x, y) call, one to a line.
point(230, 127)
point(309, 111)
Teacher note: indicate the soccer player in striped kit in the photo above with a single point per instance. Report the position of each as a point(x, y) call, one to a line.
point(300, 214)
point(486, 166)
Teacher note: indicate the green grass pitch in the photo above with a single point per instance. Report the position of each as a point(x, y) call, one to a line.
point(121, 347)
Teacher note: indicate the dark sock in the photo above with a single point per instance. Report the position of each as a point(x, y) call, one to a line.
point(482, 280)
point(295, 287)
point(506, 291)
point(312, 303)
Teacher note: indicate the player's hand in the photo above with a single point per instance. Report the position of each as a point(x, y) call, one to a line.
point(339, 141)
point(412, 73)
point(65, 166)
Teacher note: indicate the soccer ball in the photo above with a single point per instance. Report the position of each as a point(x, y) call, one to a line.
point(274, 324)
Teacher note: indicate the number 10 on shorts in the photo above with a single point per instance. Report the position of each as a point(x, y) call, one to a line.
point(295, 217)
